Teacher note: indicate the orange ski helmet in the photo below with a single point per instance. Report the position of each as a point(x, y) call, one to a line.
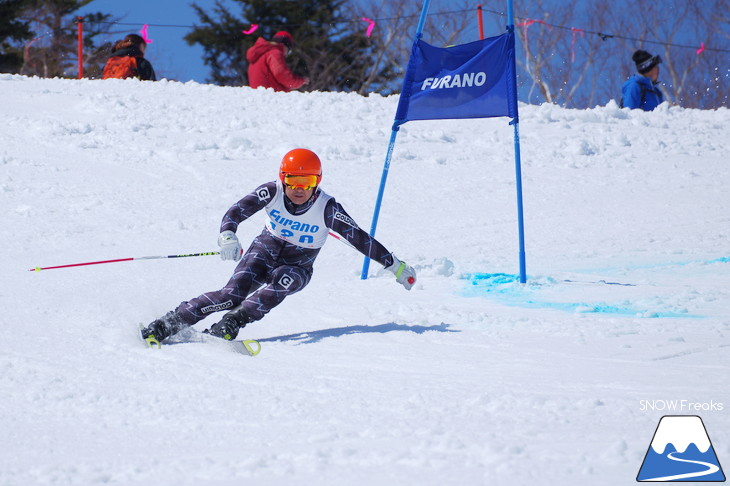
point(300, 161)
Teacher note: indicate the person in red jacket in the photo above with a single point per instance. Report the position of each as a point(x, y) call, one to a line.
point(267, 64)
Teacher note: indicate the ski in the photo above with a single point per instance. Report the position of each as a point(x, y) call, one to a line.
point(248, 347)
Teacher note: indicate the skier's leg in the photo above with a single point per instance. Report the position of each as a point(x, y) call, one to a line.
point(284, 280)
point(250, 274)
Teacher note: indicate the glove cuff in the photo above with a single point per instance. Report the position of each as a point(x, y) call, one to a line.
point(227, 237)
point(397, 267)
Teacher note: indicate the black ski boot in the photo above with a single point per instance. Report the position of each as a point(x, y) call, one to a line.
point(228, 327)
point(162, 328)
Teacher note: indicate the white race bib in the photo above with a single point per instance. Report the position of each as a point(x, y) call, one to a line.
point(307, 230)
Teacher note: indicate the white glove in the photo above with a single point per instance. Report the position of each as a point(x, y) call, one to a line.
point(230, 247)
point(404, 273)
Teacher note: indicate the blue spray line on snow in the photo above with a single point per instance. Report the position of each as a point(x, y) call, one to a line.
point(667, 264)
point(691, 262)
point(505, 289)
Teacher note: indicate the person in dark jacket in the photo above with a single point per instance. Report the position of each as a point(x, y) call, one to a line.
point(267, 64)
point(299, 218)
point(642, 90)
point(127, 60)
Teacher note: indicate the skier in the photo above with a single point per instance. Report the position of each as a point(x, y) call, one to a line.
point(279, 261)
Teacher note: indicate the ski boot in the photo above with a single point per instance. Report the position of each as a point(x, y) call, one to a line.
point(162, 328)
point(228, 327)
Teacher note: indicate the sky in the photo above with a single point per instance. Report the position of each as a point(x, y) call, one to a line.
point(170, 55)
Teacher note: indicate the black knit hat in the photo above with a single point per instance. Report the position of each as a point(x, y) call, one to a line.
point(645, 61)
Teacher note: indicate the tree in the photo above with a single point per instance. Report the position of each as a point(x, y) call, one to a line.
point(393, 45)
point(222, 42)
point(53, 50)
point(395, 30)
point(330, 49)
point(561, 60)
point(581, 54)
point(13, 31)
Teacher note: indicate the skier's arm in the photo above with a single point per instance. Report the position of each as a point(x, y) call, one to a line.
point(146, 72)
point(337, 219)
point(241, 211)
point(248, 206)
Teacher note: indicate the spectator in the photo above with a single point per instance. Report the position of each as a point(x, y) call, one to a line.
point(642, 90)
point(267, 64)
point(127, 60)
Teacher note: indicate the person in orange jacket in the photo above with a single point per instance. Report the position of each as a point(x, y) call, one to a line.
point(267, 64)
point(127, 60)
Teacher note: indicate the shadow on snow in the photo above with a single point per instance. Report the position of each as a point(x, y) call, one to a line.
point(316, 336)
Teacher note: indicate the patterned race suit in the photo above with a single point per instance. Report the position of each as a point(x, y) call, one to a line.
point(274, 267)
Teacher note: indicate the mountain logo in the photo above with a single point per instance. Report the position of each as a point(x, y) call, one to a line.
point(681, 451)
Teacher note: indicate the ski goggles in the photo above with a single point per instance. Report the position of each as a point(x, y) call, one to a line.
point(301, 181)
point(649, 63)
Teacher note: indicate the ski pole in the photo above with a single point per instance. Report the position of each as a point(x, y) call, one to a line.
point(339, 238)
point(209, 253)
point(38, 269)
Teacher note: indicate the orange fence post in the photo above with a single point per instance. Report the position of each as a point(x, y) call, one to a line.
point(481, 22)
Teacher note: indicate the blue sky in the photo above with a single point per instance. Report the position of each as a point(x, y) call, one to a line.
point(170, 55)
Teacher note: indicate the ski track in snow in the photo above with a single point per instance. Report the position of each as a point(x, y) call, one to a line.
point(470, 378)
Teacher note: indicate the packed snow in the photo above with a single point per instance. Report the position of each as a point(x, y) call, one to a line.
point(471, 378)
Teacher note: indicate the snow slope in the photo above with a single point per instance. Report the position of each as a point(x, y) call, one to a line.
point(470, 378)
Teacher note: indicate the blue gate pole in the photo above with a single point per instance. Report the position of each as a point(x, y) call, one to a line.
point(520, 219)
point(518, 166)
point(389, 154)
point(379, 200)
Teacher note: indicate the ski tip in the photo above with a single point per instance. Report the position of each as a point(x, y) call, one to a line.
point(252, 347)
point(150, 341)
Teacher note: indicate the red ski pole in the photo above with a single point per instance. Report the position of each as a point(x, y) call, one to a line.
point(38, 269)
